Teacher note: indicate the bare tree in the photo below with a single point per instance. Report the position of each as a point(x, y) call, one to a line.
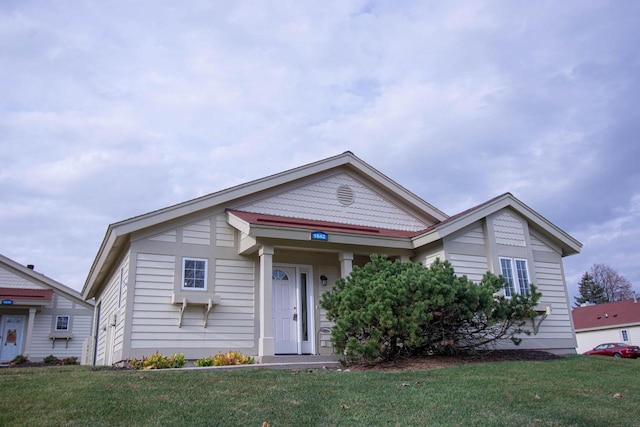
point(616, 287)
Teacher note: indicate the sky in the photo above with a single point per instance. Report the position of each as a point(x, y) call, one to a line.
point(110, 110)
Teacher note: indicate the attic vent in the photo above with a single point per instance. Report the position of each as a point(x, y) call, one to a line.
point(345, 194)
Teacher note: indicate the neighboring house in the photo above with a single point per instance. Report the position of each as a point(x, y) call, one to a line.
point(611, 322)
point(39, 316)
point(244, 268)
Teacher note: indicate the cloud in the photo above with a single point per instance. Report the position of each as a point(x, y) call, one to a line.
point(110, 112)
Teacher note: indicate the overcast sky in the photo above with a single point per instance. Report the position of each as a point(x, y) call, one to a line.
point(113, 109)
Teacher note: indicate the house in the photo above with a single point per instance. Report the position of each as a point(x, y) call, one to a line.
point(610, 322)
point(244, 268)
point(39, 316)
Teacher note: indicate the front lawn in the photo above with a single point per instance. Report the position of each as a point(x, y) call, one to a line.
point(574, 391)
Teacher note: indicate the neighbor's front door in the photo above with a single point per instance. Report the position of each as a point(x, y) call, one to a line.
point(11, 338)
point(285, 310)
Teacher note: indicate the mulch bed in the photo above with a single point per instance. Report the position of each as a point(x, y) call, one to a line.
point(431, 362)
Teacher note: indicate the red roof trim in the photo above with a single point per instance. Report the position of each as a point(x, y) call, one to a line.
point(315, 225)
point(26, 294)
point(609, 315)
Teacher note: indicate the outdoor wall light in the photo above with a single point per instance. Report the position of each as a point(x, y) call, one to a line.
point(323, 279)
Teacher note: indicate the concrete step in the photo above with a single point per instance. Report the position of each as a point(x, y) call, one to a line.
point(297, 358)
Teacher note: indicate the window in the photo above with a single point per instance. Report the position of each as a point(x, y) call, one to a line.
point(194, 273)
point(120, 287)
point(625, 335)
point(516, 275)
point(62, 323)
point(279, 275)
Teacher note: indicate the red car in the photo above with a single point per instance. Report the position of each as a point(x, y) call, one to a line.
point(616, 349)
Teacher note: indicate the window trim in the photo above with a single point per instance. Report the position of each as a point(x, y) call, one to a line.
point(205, 279)
point(516, 286)
point(60, 316)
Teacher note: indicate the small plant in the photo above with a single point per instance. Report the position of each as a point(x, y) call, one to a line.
point(19, 360)
point(158, 361)
point(205, 361)
point(232, 358)
point(177, 360)
point(51, 360)
point(71, 360)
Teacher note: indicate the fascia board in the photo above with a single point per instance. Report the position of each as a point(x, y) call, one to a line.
point(88, 291)
point(425, 239)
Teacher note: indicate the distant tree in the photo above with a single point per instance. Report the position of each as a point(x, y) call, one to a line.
point(590, 291)
point(616, 287)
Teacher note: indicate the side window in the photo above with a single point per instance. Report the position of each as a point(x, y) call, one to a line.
point(194, 273)
point(120, 283)
point(625, 335)
point(62, 323)
point(516, 274)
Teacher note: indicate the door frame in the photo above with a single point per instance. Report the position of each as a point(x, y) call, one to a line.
point(20, 335)
point(307, 346)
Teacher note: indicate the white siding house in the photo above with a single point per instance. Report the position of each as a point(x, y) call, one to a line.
point(39, 316)
point(607, 323)
point(243, 268)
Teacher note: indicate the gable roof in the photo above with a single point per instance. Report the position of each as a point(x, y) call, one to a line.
point(605, 316)
point(117, 235)
point(40, 279)
point(446, 227)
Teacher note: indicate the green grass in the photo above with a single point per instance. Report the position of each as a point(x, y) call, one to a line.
point(575, 391)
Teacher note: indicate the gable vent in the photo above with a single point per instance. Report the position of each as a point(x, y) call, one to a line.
point(345, 194)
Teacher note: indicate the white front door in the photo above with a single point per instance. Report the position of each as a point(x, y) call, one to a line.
point(285, 314)
point(11, 338)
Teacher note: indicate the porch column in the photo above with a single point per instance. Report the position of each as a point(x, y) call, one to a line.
point(405, 258)
point(266, 342)
point(346, 263)
point(27, 343)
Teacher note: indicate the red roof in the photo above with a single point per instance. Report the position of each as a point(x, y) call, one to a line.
point(26, 294)
point(607, 315)
point(315, 225)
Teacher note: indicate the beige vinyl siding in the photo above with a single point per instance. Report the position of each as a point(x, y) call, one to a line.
point(61, 302)
point(466, 252)
point(474, 236)
point(224, 232)
point(155, 320)
point(42, 345)
point(80, 318)
point(428, 256)
point(110, 338)
point(169, 237)
point(538, 245)
point(198, 233)
point(472, 266)
point(319, 201)
point(551, 284)
point(11, 280)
